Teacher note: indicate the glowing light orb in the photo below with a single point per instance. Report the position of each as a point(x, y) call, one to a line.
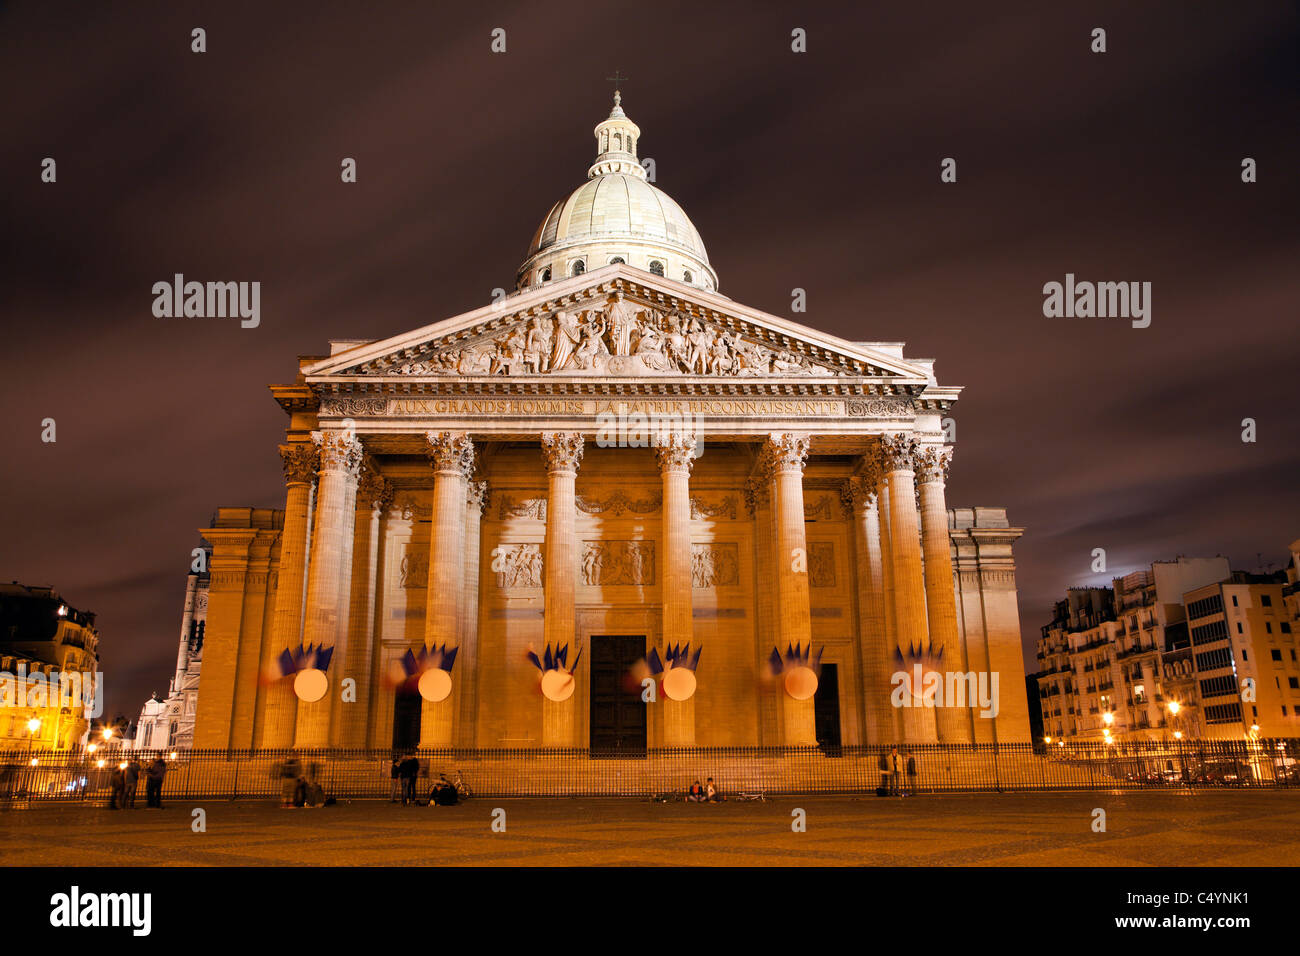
point(800, 682)
point(311, 685)
point(679, 683)
point(435, 685)
point(558, 685)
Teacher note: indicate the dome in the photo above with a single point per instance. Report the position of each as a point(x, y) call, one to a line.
point(617, 216)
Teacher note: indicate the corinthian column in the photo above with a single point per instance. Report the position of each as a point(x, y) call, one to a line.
point(563, 452)
point(373, 497)
point(300, 460)
point(467, 661)
point(786, 454)
point(896, 462)
point(860, 491)
point(676, 454)
point(758, 497)
point(331, 558)
point(954, 723)
point(452, 457)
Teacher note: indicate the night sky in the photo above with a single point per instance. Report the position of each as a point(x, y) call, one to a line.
point(817, 170)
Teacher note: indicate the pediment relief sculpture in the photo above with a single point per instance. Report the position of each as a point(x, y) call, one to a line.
point(622, 338)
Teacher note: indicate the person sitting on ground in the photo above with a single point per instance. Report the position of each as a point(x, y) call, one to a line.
point(696, 793)
point(711, 793)
point(443, 794)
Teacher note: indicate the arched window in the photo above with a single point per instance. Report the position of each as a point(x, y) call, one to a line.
point(686, 276)
point(546, 274)
point(656, 267)
point(629, 144)
point(616, 260)
point(579, 267)
point(618, 140)
point(604, 142)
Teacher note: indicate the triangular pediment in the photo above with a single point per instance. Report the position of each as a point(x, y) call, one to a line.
point(617, 321)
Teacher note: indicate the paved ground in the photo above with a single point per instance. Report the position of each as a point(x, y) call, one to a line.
point(1149, 828)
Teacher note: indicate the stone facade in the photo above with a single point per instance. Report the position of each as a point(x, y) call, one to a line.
point(604, 458)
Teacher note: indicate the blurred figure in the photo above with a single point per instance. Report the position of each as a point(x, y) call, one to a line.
point(911, 772)
point(154, 783)
point(290, 771)
point(696, 793)
point(116, 788)
point(131, 777)
point(395, 772)
point(895, 772)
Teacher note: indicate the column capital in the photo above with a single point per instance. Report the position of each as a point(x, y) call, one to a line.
point(932, 462)
point(563, 450)
point(450, 453)
point(301, 460)
point(858, 494)
point(339, 451)
point(675, 451)
point(476, 495)
point(372, 490)
point(897, 452)
point(784, 451)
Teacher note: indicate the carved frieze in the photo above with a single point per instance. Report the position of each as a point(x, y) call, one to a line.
point(508, 507)
point(702, 507)
point(618, 502)
point(880, 408)
point(606, 563)
point(353, 407)
point(413, 571)
point(715, 565)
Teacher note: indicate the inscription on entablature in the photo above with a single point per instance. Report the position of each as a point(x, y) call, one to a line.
point(563, 407)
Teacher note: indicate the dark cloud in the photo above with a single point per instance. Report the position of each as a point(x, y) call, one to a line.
point(817, 170)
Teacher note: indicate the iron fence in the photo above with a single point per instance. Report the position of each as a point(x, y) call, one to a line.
point(43, 775)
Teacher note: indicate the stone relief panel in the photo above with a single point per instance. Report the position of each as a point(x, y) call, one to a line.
point(715, 565)
point(518, 566)
point(821, 507)
point(618, 562)
point(413, 571)
point(621, 338)
point(821, 564)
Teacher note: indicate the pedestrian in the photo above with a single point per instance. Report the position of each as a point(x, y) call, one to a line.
point(395, 772)
point(116, 788)
point(154, 783)
point(410, 770)
point(131, 776)
point(895, 772)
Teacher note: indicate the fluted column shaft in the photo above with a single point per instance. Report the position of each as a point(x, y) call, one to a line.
point(373, 496)
point(676, 453)
point(563, 453)
point(875, 648)
point(786, 454)
point(467, 661)
point(910, 622)
point(954, 723)
point(452, 456)
point(301, 461)
point(326, 619)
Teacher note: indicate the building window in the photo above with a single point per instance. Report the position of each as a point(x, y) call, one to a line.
point(546, 274)
point(1276, 654)
point(686, 276)
point(617, 260)
point(1234, 600)
point(1268, 627)
point(1293, 683)
point(579, 267)
point(656, 267)
point(1238, 627)
point(1265, 600)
